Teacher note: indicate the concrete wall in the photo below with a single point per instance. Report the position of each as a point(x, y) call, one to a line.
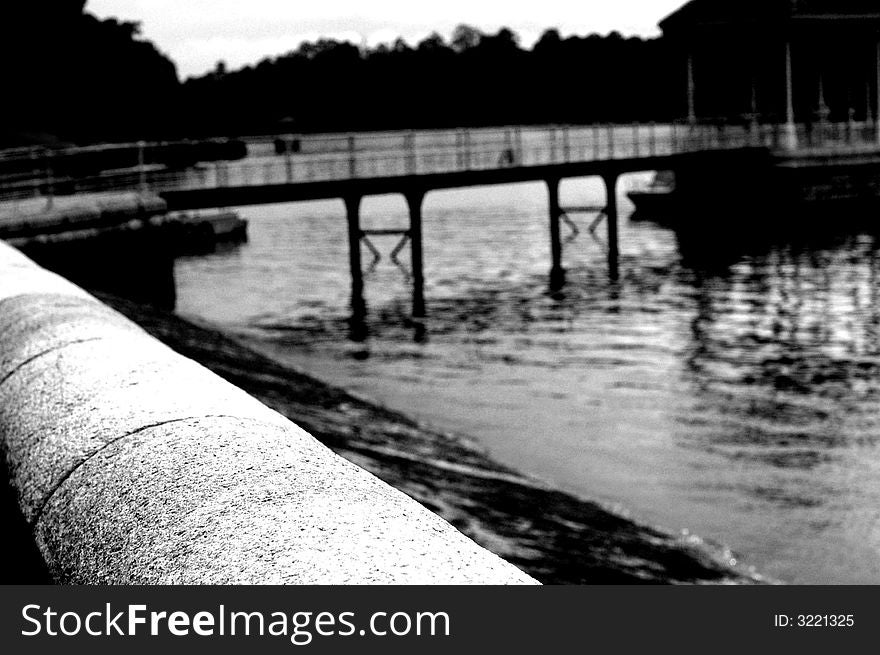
point(133, 464)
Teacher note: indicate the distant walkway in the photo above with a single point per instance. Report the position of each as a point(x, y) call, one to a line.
point(233, 172)
point(304, 159)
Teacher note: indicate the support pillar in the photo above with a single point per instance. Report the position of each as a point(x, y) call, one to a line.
point(352, 213)
point(557, 273)
point(611, 215)
point(414, 201)
point(789, 130)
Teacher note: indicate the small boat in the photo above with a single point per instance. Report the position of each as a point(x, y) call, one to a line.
point(655, 199)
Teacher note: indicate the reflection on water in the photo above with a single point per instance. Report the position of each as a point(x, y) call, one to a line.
point(736, 399)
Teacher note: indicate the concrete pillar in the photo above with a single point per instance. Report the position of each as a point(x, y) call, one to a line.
point(352, 213)
point(611, 215)
point(414, 200)
point(789, 130)
point(557, 272)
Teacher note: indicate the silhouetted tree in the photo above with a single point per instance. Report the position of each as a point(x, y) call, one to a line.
point(68, 75)
point(474, 79)
point(465, 37)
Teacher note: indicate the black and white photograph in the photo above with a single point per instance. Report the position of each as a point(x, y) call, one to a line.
point(460, 293)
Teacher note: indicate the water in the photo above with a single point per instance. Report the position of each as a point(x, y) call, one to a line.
point(739, 402)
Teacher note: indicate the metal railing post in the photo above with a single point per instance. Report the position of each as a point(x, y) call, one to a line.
point(288, 160)
point(36, 173)
point(635, 135)
point(352, 157)
point(597, 139)
point(142, 170)
point(411, 153)
point(566, 143)
point(521, 155)
point(610, 128)
point(50, 181)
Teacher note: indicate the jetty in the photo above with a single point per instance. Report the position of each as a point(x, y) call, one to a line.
point(133, 464)
point(774, 141)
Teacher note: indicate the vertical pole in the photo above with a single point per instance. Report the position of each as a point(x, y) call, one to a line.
point(611, 215)
point(520, 156)
point(823, 111)
point(790, 131)
point(411, 153)
point(610, 141)
point(467, 149)
point(352, 214)
point(36, 173)
point(597, 139)
point(414, 201)
point(850, 124)
point(877, 81)
point(557, 273)
point(635, 135)
point(753, 119)
point(50, 181)
point(552, 145)
point(142, 170)
point(566, 143)
point(352, 157)
point(288, 160)
point(753, 104)
point(692, 109)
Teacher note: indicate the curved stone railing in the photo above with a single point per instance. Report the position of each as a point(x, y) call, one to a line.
point(133, 464)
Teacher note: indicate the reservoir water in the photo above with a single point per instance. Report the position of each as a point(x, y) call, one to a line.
point(739, 400)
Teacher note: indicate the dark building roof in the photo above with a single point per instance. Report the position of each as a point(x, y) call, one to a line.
point(702, 16)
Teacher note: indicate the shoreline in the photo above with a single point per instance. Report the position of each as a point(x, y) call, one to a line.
point(552, 535)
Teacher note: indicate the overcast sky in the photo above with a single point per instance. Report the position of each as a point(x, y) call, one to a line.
point(198, 33)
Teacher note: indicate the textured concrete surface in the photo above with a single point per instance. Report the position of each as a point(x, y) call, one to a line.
point(135, 465)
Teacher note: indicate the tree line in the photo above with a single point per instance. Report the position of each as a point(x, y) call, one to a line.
point(72, 77)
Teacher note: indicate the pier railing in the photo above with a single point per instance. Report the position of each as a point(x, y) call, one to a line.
point(292, 158)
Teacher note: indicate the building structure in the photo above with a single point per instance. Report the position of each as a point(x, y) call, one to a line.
point(787, 62)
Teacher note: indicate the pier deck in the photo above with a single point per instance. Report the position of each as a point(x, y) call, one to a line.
point(350, 167)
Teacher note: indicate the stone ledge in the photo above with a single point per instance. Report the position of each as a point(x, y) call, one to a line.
point(133, 464)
